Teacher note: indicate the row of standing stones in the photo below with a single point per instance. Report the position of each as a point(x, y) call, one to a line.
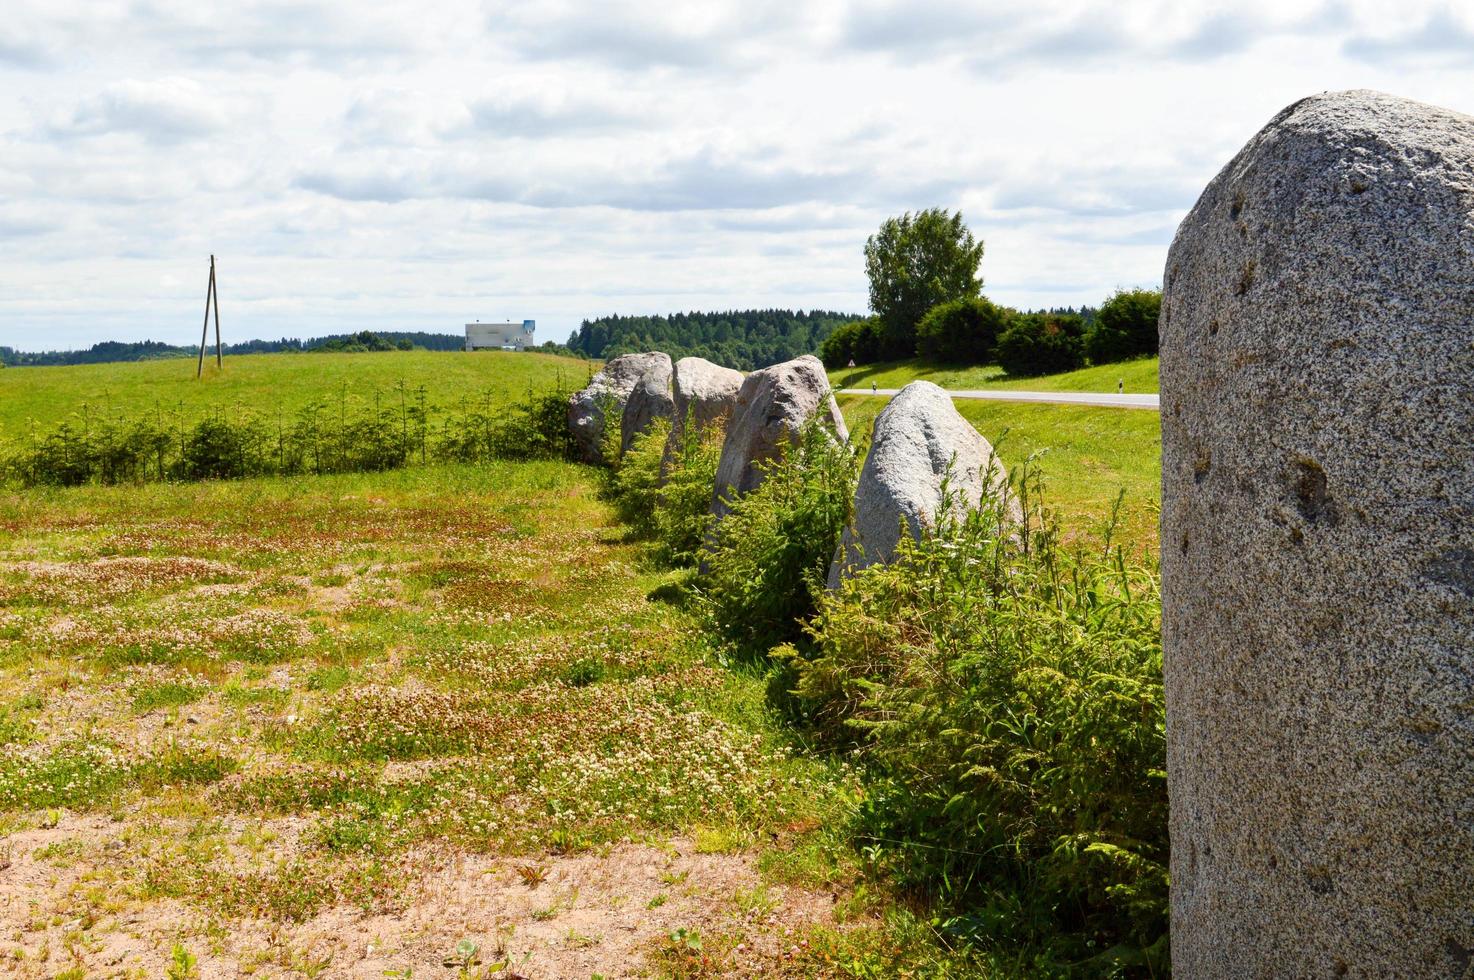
point(924, 455)
point(1317, 391)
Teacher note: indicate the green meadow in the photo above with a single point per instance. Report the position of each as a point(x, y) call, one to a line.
point(1137, 376)
point(270, 383)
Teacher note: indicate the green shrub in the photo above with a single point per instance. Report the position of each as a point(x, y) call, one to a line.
point(1042, 343)
point(859, 341)
point(664, 492)
point(634, 479)
point(683, 506)
point(962, 331)
point(1006, 697)
point(339, 435)
point(1125, 327)
point(765, 564)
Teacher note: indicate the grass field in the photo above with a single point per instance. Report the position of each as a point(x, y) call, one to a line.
point(269, 383)
point(337, 726)
point(341, 726)
point(1139, 376)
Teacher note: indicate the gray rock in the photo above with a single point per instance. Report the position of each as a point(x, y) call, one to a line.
point(1317, 339)
point(649, 399)
point(919, 440)
point(772, 407)
point(611, 386)
point(705, 394)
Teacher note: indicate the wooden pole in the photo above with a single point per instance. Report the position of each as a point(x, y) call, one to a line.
point(205, 327)
point(215, 291)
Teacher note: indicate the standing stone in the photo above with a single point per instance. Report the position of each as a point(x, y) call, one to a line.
point(1317, 340)
point(919, 440)
point(772, 407)
point(705, 395)
point(649, 399)
point(609, 388)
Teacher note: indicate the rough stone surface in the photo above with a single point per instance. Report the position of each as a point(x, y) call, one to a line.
point(772, 407)
point(649, 399)
point(614, 383)
point(919, 440)
point(1317, 340)
point(705, 394)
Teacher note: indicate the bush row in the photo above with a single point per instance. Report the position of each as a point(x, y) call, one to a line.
point(1003, 692)
point(974, 330)
point(342, 436)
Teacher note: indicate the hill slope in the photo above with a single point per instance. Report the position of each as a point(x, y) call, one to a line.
point(1139, 376)
point(272, 382)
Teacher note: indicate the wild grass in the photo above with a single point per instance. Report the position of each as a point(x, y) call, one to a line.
point(448, 656)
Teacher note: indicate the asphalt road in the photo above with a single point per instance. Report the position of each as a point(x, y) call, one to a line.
point(1108, 400)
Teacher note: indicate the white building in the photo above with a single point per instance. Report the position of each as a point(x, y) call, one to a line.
point(500, 336)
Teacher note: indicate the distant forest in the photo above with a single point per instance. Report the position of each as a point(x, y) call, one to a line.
point(742, 339)
point(146, 350)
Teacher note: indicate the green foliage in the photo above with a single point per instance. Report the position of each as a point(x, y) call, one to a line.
point(1006, 697)
point(1042, 343)
point(634, 478)
point(341, 435)
point(859, 341)
point(1125, 327)
point(765, 565)
point(663, 490)
point(915, 262)
point(961, 331)
point(742, 339)
point(683, 508)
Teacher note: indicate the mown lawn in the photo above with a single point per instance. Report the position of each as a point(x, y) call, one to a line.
point(271, 383)
point(335, 726)
point(1139, 376)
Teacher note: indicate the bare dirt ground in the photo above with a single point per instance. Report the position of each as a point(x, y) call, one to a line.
point(572, 916)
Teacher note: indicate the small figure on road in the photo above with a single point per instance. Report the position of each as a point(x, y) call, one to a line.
point(1120, 385)
point(872, 387)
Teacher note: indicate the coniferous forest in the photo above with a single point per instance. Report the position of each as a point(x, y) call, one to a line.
point(743, 339)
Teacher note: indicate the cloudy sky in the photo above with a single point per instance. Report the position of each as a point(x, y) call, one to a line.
point(416, 165)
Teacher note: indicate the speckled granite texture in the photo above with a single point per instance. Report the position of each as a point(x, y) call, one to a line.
point(1318, 549)
point(771, 409)
point(649, 399)
point(613, 384)
point(919, 440)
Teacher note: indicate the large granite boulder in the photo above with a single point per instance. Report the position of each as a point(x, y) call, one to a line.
point(773, 405)
point(1317, 340)
point(705, 395)
point(610, 389)
point(649, 399)
point(920, 440)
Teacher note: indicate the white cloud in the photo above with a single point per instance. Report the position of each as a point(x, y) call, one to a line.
point(165, 110)
point(417, 164)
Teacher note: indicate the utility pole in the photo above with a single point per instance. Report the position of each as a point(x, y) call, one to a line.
point(212, 296)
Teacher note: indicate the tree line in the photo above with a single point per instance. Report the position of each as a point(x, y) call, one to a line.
point(927, 299)
point(743, 339)
point(113, 351)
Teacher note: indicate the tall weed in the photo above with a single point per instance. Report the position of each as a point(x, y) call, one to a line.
point(1006, 696)
point(765, 562)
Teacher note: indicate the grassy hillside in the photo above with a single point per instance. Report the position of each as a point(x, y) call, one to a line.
point(267, 382)
point(1088, 455)
point(1139, 376)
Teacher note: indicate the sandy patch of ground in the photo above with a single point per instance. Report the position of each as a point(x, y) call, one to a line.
point(549, 917)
